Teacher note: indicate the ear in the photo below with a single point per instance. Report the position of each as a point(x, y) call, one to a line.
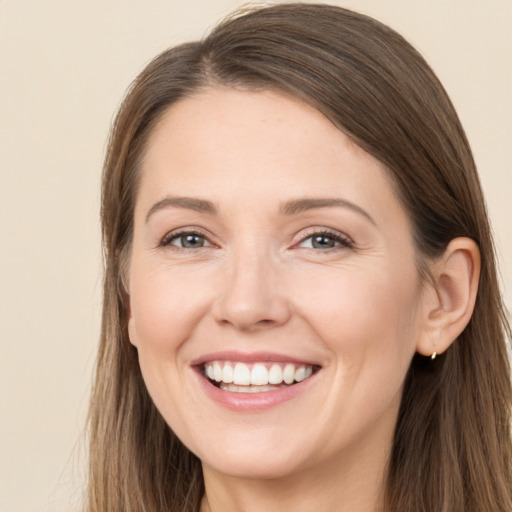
point(132, 331)
point(450, 298)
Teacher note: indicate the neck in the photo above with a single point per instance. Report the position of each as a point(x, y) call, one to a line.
point(349, 482)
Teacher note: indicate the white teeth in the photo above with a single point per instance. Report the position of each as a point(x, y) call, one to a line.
point(300, 373)
point(275, 374)
point(259, 377)
point(241, 375)
point(249, 389)
point(289, 373)
point(217, 371)
point(227, 374)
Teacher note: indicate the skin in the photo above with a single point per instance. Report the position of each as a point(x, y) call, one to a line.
point(358, 310)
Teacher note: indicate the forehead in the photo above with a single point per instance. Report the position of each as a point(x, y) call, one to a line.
point(263, 145)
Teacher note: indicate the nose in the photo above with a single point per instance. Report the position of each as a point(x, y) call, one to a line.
point(251, 297)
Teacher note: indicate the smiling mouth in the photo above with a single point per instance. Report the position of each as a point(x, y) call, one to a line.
point(241, 377)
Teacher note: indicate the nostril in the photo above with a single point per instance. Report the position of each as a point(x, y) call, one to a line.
point(251, 326)
point(249, 298)
point(248, 319)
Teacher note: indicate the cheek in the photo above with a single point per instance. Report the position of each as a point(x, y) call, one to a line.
point(166, 306)
point(368, 321)
point(363, 310)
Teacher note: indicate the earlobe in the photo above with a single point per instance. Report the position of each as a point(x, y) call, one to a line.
point(451, 297)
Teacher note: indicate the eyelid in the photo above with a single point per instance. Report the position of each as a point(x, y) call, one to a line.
point(166, 240)
point(344, 239)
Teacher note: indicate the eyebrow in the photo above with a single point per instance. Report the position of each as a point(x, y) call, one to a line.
point(190, 203)
point(301, 205)
point(292, 207)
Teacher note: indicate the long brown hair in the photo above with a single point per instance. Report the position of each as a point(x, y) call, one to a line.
point(452, 448)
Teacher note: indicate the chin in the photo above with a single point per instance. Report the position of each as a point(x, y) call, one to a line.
point(260, 466)
point(257, 456)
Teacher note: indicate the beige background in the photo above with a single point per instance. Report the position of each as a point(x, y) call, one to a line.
point(64, 66)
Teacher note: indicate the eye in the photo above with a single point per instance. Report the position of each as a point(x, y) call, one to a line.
point(325, 240)
point(186, 240)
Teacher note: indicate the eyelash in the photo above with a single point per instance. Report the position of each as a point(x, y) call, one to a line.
point(170, 237)
point(343, 241)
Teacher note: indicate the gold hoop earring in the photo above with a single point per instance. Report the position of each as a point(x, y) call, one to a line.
point(433, 356)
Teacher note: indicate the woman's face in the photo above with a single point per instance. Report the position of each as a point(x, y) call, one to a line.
point(269, 249)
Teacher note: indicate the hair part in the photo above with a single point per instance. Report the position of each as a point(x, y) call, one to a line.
point(452, 447)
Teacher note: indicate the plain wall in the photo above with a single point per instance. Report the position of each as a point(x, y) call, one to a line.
point(64, 67)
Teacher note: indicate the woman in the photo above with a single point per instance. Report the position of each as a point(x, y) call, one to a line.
point(301, 306)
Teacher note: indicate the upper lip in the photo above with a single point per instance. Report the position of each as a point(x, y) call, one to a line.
point(251, 357)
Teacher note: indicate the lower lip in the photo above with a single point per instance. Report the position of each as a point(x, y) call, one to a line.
point(253, 402)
